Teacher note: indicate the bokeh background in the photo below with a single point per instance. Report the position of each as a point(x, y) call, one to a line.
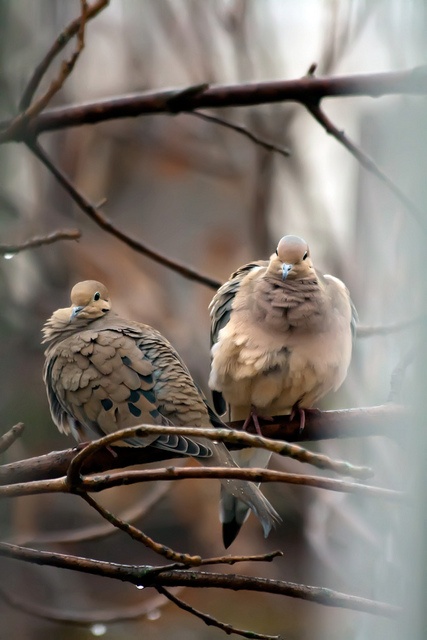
point(204, 195)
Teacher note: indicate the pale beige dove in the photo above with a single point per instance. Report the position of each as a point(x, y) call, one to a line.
point(281, 340)
point(104, 373)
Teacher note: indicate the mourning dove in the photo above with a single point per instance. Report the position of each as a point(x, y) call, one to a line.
point(104, 373)
point(281, 340)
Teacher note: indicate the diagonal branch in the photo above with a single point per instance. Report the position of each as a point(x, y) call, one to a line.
point(8, 438)
point(211, 621)
point(140, 536)
point(67, 66)
point(265, 144)
point(366, 162)
point(61, 41)
point(103, 530)
point(105, 224)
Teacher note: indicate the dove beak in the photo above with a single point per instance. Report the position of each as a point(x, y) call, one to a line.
point(75, 311)
point(286, 268)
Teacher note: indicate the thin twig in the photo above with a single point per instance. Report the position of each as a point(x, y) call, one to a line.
point(140, 536)
point(99, 531)
point(147, 576)
point(61, 41)
point(65, 70)
point(224, 435)
point(38, 241)
point(265, 144)
point(103, 222)
point(8, 438)
point(107, 616)
point(366, 162)
point(211, 621)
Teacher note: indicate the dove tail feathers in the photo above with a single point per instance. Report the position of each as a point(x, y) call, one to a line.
point(238, 497)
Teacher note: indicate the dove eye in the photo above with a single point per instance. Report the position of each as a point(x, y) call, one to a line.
point(305, 255)
point(277, 253)
point(97, 296)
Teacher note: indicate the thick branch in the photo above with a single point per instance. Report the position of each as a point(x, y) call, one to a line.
point(151, 576)
point(384, 420)
point(304, 90)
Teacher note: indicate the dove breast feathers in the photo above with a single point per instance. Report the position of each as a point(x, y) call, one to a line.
point(279, 343)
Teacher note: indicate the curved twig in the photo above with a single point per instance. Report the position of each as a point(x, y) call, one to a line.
point(383, 420)
point(224, 435)
point(38, 241)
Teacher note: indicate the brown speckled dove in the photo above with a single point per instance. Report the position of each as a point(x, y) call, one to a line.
point(104, 373)
point(281, 340)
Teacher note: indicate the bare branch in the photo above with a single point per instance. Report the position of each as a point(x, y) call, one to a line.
point(38, 241)
point(61, 41)
point(254, 474)
point(224, 435)
point(66, 68)
point(8, 438)
point(140, 536)
point(211, 621)
point(367, 162)
point(304, 90)
point(147, 576)
point(105, 224)
point(383, 420)
point(265, 144)
point(101, 482)
point(98, 531)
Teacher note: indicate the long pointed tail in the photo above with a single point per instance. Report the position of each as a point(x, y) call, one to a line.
point(240, 496)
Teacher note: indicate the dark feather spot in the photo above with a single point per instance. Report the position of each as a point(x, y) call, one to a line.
point(127, 361)
point(149, 395)
point(134, 410)
point(107, 404)
point(154, 413)
point(148, 378)
point(134, 396)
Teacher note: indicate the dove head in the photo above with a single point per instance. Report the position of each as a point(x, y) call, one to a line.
point(292, 259)
point(89, 300)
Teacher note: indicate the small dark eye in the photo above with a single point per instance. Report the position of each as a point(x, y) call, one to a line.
point(97, 296)
point(277, 253)
point(305, 255)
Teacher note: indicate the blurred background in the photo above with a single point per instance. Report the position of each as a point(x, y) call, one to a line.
point(207, 196)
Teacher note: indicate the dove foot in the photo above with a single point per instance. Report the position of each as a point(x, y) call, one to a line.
point(253, 418)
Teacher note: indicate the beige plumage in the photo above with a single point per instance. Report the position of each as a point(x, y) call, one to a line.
point(281, 340)
point(104, 373)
